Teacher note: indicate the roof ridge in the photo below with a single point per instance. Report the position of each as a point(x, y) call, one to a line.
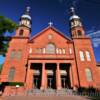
point(52, 27)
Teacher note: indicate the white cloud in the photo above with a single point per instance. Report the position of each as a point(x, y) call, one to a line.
point(95, 35)
point(96, 42)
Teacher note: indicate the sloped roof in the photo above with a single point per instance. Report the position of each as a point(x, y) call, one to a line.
point(53, 28)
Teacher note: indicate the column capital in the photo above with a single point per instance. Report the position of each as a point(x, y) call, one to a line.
point(58, 64)
point(43, 63)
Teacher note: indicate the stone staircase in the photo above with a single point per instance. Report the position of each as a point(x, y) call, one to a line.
point(49, 92)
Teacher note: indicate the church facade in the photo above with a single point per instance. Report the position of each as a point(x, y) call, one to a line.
point(50, 60)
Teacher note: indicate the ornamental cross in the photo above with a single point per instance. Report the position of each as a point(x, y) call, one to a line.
point(50, 24)
point(28, 9)
point(72, 10)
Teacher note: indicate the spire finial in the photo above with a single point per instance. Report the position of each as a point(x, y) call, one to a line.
point(28, 9)
point(50, 23)
point(72, 9)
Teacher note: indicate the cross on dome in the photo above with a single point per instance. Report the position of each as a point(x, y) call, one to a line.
point(50, 24)
point(72, 10)
point(28, 10)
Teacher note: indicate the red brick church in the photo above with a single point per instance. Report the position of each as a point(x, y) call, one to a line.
point(49, 59)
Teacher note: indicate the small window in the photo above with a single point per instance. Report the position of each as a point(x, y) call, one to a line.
point(28, 23)
point(79, 33)
point(30, 50)
point(24, 22)
point(70, 50)
point(43, 50)
point(88, 57)
point(21, 32)
point(18, 55)
point(88, 74)
point(11, 74)
point(57, 50)
point(50, 36)
point(12, 55)
point(72, 24)
point(60, 51)
point(64, 51)
point(81, 55)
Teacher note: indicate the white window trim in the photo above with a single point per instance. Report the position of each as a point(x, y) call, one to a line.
point(30, 51)
point(57, 51)
point(70, 51)
point(44, 51)
point(82, 57)
point(64, 51)
point(60, 51)
point(88, 56)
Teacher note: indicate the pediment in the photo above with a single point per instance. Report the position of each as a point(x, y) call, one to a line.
point(50, 33)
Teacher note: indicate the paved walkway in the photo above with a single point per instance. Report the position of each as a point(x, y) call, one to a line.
point(44, 98)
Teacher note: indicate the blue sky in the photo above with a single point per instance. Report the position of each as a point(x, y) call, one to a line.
point(57, 11)
point(1, 59)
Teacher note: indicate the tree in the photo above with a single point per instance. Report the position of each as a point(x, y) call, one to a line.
point(1, 67)
point(6, 25)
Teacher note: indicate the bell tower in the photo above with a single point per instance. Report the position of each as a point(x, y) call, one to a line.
point(17, 54)
point(76, 27)
point(84, 55)
point(24, 27)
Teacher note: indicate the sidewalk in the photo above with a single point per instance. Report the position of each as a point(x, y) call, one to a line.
point(44, 98)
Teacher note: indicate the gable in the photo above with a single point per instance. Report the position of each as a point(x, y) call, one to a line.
point(50, 32)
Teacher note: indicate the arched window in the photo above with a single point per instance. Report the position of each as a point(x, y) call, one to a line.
point(88, 74)
point(19, 54)
point(81, 55)
point(70, 51)
point(79, 33)
point(50, 48)
point(60, 51)
point(12, 55)
point(88, 57)
point(64, 51)
point(43, 50)
point(57, 50)
point(21, 32)
point(11, 74)
point(30, 50)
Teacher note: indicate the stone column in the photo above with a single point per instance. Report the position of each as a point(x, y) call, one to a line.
point(29, 78)
point(43, 81)
point(71, 76)
point(58, 78)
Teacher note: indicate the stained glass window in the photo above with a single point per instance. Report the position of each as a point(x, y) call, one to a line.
point(11, 74)
point(88, 74)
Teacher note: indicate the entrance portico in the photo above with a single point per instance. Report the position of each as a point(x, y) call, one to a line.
point(49, 75)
